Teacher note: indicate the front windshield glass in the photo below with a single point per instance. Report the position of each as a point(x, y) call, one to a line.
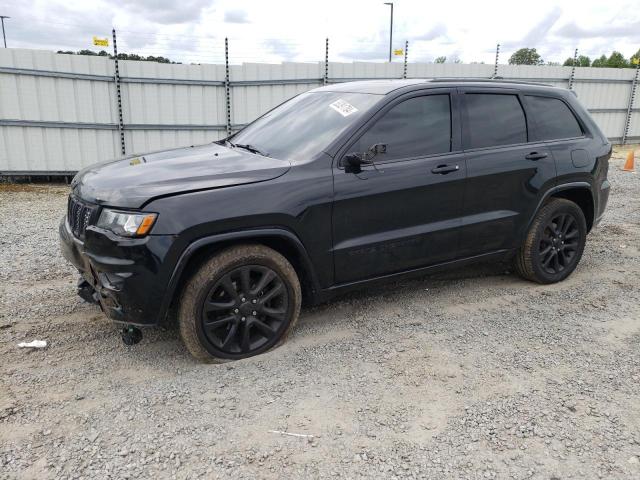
point(305, 125)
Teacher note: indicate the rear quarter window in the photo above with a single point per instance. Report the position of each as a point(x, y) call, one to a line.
point(554, 119)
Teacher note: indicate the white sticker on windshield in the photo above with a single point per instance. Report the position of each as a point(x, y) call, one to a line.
point(343, 108)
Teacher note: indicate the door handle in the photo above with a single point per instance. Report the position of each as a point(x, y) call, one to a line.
point(535, 156)
point(444, 169)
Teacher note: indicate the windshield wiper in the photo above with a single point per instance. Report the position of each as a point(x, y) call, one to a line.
point(250, 148)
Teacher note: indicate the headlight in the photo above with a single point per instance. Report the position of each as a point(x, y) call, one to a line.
point(127, 224)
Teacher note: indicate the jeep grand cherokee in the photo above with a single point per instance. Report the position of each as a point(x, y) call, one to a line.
point(339, 186)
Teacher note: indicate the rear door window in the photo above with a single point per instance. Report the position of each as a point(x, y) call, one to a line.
point(554, 119)
point(417, 127)
point(493, 120)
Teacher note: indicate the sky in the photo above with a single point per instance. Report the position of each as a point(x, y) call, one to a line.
point(193, 31)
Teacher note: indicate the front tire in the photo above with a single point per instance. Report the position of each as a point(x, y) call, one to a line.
point(554, 244)
point(242, 302)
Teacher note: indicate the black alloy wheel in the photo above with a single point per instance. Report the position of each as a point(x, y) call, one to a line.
point(245, 310)
point(554, 243)
point(243, 301)
point(559, 243)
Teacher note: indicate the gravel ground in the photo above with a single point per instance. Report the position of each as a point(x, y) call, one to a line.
point(471, 374)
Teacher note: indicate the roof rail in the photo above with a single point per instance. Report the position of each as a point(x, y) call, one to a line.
point(489, 80)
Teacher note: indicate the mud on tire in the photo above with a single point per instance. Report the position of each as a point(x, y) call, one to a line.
point(241, 302)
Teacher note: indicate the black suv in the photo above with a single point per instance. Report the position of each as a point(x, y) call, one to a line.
point(339, 186)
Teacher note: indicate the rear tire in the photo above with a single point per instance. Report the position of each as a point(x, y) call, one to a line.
point(242, 302)
point(554, 244)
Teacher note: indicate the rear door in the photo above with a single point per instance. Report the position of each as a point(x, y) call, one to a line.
point(403, 212)
point(564, 134)
point(507, 169)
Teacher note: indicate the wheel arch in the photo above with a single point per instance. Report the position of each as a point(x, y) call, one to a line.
point(578, 192)
point(279, 239)
point(582, 196)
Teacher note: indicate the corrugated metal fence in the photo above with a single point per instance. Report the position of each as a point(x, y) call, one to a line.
point(59, 113)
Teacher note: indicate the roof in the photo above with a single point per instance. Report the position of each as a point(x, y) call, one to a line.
point(385, 86)
point(377, 87)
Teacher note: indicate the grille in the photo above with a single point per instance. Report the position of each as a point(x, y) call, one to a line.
point(79, 214)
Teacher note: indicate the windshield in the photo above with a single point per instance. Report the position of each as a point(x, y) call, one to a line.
point(305, 125)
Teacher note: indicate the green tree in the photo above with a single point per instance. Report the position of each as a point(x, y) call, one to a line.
point(526, 56)
point(121, 56)
point(635, 58)
point(583, 61)
point(158, 59)
point(617, 60)
point(600, 62)
point(440, 60)
point(130, 56)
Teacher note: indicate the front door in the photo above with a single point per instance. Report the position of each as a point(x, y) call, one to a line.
point(403, 211)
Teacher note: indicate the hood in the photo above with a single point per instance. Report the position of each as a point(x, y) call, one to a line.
point(133, 181)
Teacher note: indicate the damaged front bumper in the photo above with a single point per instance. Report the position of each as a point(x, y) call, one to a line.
point(121, 275)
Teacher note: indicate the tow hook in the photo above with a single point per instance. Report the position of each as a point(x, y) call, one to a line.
point(131, 335)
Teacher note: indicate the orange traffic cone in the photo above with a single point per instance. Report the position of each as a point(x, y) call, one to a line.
point(628, 165)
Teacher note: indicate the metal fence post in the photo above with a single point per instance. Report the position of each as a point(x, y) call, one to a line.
point(632, 95)
point(116, 78)
point(406, 53)
point(573, 69)
point(325, 80)
point(495, 68)
point(227, 86)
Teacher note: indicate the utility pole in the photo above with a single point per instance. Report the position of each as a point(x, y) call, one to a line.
point(390, 31)
point(4, 37)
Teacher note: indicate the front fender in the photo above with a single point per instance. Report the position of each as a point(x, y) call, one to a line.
point(302, 260)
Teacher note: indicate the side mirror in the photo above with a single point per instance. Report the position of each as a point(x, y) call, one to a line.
point(352, 163)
